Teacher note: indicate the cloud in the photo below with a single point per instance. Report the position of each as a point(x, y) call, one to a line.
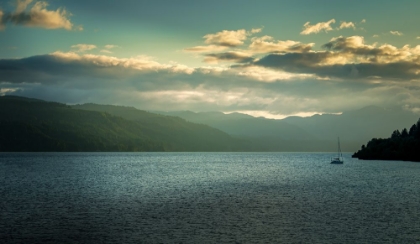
point(205, 49)
point(21, 5)
point(375, 36)
point(110, 46)
point(107, 48)
point(270, 75)
point(326, 26)
point(37, 16)
point(265, 44)
point(357, 51)
point(349, 44)
point(229, 38)
point(139, 63)
point(223, 40)
point(363, 21)
point(72, 68)
point(1, 20)
point(232, 56)
point(256, 30)
point(313, 29)
point(345, 25)
point(418, 37)
point(83, 47)
point(396, 33)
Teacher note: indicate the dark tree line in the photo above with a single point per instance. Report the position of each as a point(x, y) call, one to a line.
point(404, 145)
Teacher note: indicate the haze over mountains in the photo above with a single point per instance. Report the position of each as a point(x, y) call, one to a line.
point(315, 133)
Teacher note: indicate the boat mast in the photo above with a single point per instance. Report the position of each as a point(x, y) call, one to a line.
point(339, 148)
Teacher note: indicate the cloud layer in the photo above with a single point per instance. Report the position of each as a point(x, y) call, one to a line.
point(277, 83)
point(244, 70)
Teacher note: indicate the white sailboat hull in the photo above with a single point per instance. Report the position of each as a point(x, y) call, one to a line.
point(337, 161)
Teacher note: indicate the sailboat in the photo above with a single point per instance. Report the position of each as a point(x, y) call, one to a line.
point(339, 158)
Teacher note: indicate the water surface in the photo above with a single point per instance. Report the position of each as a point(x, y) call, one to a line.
point(206, 198)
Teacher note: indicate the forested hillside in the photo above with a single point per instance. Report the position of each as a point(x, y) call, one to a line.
point(404, 145)
point(171, 128)
point(35, 125)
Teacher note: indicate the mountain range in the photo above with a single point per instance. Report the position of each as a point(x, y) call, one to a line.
point(34, 125)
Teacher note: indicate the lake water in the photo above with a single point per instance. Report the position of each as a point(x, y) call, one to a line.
point(206, 198)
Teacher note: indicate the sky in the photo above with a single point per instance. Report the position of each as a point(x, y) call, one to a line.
point(270, 58)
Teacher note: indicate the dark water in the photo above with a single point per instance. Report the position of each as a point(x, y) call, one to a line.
point(206, 198)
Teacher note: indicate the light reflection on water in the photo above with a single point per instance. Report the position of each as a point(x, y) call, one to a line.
point(206, 197)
